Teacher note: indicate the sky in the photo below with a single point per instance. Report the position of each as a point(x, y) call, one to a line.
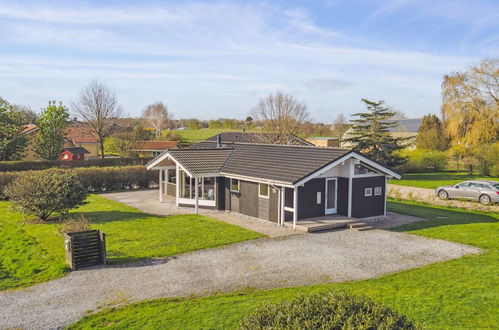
point(211, 59)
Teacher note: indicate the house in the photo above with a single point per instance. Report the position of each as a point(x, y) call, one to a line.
point(73, 153)
point(324, 141)
point(82, 136)
point(406, 128)
point(148, 149)
point(278, 183)
point(31, 133)
point(254, 137)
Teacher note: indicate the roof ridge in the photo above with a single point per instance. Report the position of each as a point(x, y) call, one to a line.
point(283, 145)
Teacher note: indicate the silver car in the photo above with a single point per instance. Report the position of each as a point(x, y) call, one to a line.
point(486, 192)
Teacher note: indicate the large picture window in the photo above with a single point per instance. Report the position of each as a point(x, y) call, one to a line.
point(206, 187)
point(234, 185)
point(263, 190)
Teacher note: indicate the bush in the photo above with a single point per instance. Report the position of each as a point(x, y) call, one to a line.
point(76, 224)
point(43, 193)
point(97, 179)
point(46, 164)
point(488, 159)
point(329, 310)
point(424, 161)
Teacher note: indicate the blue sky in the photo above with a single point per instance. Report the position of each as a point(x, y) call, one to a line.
point(217, 58)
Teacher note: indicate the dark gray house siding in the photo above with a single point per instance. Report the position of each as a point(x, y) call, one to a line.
point(342, 206)
point(307, 199)
point(370, 206)
point(220, 189)
point(274, 205)
point(263, 208)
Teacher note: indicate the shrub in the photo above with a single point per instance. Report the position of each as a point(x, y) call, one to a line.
point(75, 224)
point(46, 164)
point(5, 179)
point(329, 310)
point(424, 161)
point(488, 159)
point(43, 193)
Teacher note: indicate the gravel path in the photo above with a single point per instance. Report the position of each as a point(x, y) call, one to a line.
point(147, 201)
point(263, 263)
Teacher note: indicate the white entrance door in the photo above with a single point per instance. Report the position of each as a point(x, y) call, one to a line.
point(331, 195)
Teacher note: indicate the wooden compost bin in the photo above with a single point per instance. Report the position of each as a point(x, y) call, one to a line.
point(85, 248)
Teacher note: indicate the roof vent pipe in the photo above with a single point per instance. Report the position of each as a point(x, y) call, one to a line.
point(219, 141)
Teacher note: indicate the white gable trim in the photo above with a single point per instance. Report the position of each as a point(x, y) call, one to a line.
point(168, 156)
point(344, 158)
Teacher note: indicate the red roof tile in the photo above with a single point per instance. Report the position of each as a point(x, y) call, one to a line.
point(80, 134)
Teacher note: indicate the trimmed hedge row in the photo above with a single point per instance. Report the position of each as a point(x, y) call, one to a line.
point(97, 179)
point(25, 165)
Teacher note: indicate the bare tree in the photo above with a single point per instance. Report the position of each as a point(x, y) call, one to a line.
point(340, 125)
point(98, 107)
point(157, 116)
point(281, 116)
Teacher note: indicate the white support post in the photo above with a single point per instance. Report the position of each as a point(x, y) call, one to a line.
point(177, 184)
point(295, 206)
point(196, 195)
point(161, 185)
point(283, 196)
point(350, 185)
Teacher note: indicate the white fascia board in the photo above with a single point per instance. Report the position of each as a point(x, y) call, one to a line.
point(168, 156)
point(342, 159)
point(258, 180)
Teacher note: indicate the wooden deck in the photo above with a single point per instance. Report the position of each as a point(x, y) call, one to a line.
point(328, 222)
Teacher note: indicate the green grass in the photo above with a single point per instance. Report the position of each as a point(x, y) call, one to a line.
point(198, 135)
point(433, 180)
point(31, 253)
point(461, 293)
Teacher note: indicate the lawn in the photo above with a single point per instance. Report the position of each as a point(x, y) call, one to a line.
point(31, 253)
point(198, 135)
point(460, 293)
point(433, 180)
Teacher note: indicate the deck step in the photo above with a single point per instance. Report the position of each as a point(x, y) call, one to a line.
point(320, 227)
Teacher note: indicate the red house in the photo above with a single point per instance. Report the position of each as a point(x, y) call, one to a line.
point(73, 153)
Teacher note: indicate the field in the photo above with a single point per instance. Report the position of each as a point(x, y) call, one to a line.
point(460, 293)
point(32, 252)
point(433, 180)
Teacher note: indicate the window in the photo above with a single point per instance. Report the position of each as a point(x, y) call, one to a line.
point(263, 190)
point(319, 197)
point(234, 185)
point(368, 192)
point(377, 191)
point(360, 169)
point(208, 188)
point(464, 185)
point(172, 173)
point(156, 153)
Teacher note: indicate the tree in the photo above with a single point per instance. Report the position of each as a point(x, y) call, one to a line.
point(123, 142)
point(42, 193)
point(370, 134)
point(470, 108)
point(157, 116)
point(194, 124)
point(281, 115)
point(98, 107)
point(26, 111)
point(431, 134)
point(340, 125)
point(52, 123)
point(12, 125)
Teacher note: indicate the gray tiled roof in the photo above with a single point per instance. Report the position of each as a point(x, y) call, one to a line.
point(279, 163)
point(406, 125)
point(77, 150)
point(199, 161)
point(253, 137)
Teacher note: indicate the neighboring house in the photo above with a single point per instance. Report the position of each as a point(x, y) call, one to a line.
point(73, 153)
point(253, 137)
point(82, 136)
point(277, 183)
point(406, 128)
point(324, 141)
point(148, 149)
point(31, 133)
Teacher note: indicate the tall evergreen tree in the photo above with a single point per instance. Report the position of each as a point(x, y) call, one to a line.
point(52, 123)
point(12, 125)
point(431, 134)
point(370, 134)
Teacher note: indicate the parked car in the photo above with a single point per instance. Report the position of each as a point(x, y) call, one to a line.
point(486, 192)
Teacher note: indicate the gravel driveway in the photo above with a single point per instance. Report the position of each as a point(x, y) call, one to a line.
point(263, 263)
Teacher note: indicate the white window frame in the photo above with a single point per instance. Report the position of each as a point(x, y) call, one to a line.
point(238, 185)
point(368, 192)
point(268, 190)
point(377, 191)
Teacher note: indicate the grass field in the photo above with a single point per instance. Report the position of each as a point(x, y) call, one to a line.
point(198, 135)
point(32, 253)
point(460, 293)
point(433, 180)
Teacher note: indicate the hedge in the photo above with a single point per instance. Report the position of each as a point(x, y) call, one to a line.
point(97, 179)
point(25, 165)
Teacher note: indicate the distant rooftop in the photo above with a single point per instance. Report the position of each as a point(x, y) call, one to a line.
point(323, 138)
